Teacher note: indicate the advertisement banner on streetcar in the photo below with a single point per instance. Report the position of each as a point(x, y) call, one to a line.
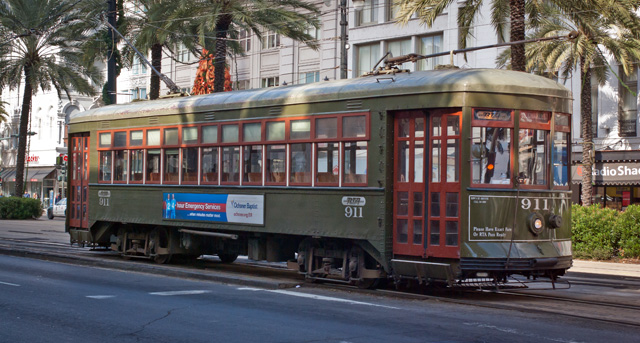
point(225, 208)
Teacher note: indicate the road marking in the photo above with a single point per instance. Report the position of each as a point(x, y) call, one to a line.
point(179, 292)
point(318, 297)
point(100, 296)
point(9, 284)
point(250, 289)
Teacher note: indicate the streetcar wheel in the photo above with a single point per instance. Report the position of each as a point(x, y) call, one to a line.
point(368, 283)
point(227, 257)
point(162, 259)
point(159, 242)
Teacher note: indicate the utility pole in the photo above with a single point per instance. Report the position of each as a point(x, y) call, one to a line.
point(111, 64)
point(343, 39)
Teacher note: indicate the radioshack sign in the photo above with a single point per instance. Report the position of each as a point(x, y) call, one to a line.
point(610, 172)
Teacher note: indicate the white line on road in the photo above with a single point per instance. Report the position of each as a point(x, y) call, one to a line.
point(319, 297)
point(9, 284)
point(179, 292)
point(100, 296)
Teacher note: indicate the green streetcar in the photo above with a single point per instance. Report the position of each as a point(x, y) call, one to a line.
point(435, 176)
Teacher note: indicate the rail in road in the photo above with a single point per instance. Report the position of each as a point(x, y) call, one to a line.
point(611, 299)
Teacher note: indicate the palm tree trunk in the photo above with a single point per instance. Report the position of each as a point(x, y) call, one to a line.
point(222, 27)
point(587, 134)
point(156, 61)
point(518, 59)
point(23, 132)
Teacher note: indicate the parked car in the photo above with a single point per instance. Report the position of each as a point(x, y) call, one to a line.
point(58, 210)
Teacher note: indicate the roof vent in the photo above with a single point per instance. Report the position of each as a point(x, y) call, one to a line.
point(210, 117)
point(105, 125)
point(275, 111)
point(354, 104)
point(154, 121)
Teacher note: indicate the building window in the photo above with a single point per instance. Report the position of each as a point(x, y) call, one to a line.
point(244, 38)
point(368, 14)
point(138, 93)
point(313, 31)
point(392, 10)
point(399, 48)
point(430, 45)
point(270, 82)
point(368, 56)
point(138, 68)
point(628, 116)
point(242, 84)
point(183, 53)
point(270, 40)
point(310, 77)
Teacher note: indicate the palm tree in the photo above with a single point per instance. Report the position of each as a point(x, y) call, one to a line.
point(226, 18)
point(144, 30)
point(45, 43)
point(606, 29)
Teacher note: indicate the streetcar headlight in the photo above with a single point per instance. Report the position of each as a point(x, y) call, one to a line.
point(535, 221)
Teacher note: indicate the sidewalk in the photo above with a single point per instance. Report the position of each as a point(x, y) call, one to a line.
point(606, 268)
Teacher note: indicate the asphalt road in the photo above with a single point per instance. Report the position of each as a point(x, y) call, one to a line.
point(44, 301)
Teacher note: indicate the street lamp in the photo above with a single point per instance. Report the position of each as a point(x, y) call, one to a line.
point(357, 5)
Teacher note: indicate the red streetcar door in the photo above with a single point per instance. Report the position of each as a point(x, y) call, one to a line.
point(78, 202)
point(444, 185)
point(409, 175)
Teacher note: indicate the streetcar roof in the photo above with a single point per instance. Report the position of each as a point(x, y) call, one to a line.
point(422, 82)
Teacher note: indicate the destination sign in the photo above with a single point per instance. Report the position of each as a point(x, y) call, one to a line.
point(493, 115)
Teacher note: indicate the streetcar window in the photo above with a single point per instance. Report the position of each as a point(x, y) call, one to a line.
point(105, 140)
point(153, 137)
point(532, 158)
point(490, 155)
point(171, 136)
point(435, 160)
point(451, 233)
point(252, 132)
point(300, 129)
point(120, 139)
point(210, 134)
point(275, 130)
point(210, 165)
point(453, 170)
point(230, 163)
point(171, 165)
point(327, 128)
point(327, 163)
point(230, 133)
point(189, 135)
point(137, 161)
point(300, 163)
point(354, 126)
point(135, 138)
point(403, 161)
point(560, 159)
point(402, 231)
point(355, 162)
point(252, 164)
point(153, 165)
point(453, 125)
point(120, 165)
point(189, 164)
point(105, 166)
point(436, 126)
point(418, 158)
point(434, 237)
point(276, 163)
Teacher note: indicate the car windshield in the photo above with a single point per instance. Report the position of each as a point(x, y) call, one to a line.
point(62, 202)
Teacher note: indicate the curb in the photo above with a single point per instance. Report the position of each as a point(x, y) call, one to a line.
point(132, 266)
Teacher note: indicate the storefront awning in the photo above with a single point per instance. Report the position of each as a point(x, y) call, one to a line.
point(610, 174)
point(33, 174)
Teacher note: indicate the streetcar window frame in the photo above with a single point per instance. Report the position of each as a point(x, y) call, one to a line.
point(537, 121)
point(497, 123)
point(558, 119)
point(339, 137)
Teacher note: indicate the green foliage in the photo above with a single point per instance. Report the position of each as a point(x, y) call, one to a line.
point(628, 226)
point(20, 208)
point(594, 232)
